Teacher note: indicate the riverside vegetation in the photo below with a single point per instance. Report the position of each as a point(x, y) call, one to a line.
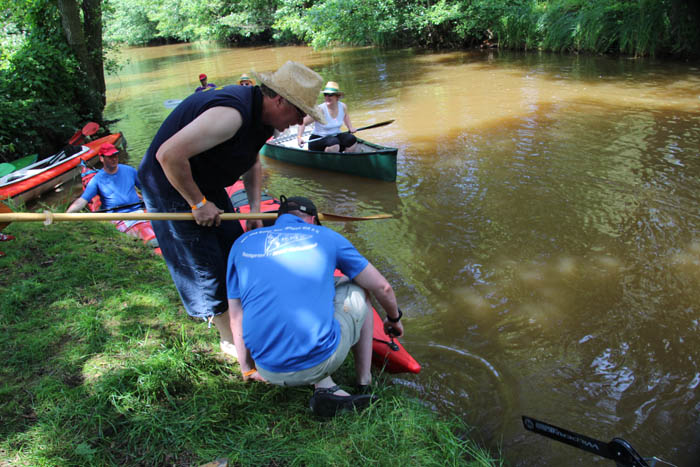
point(101, 366)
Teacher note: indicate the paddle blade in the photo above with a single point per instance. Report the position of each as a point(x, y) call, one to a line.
point(4, 209)
point(375, 125)
point(172, 103)
point(324, 216)
point(90, 128)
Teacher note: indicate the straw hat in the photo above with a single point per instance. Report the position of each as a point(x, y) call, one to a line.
point(296, 83)
point(332, 88)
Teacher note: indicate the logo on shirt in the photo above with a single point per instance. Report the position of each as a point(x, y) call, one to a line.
point(278, 243)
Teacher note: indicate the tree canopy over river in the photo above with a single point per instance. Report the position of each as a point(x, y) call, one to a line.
point(53, 57)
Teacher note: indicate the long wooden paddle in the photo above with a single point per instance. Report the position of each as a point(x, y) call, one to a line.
point(368, 127)
point(7, 216)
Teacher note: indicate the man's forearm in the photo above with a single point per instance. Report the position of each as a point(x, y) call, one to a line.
point(235, 313)
point(372, 280)
point(179, 174)
point(252, 180)
point(77, 205)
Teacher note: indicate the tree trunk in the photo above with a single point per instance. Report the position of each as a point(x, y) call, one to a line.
point(92, 12)
point(76, 38)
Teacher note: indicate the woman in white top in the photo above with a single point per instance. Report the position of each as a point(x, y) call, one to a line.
point(328, 137)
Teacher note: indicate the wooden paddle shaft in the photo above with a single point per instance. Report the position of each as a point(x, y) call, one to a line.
point(48, 217)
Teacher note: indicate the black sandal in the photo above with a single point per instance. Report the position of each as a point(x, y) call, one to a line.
point(325, 403)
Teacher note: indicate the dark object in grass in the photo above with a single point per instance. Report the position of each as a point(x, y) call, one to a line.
point(325, 403)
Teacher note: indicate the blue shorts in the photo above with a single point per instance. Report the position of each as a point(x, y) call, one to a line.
point(196, 256)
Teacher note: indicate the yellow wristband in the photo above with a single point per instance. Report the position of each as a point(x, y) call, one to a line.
point(200, 204)
point(249, 372)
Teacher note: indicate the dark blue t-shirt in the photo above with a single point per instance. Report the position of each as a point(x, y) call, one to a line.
point(222, 165)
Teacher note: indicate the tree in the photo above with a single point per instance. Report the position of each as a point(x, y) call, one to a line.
point(78, 34)
point(51, 75)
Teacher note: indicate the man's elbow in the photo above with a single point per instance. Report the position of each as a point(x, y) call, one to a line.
point(384, 289)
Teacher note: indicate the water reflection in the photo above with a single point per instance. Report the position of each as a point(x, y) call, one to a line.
point(545, 241)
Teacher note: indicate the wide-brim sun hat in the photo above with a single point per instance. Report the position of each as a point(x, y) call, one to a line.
point(245, 77)
point(332, 88)
point(298, 84)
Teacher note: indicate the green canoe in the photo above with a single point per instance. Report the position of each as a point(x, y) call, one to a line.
point(371, 160)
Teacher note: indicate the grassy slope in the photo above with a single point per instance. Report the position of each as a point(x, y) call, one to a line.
point(101, 366)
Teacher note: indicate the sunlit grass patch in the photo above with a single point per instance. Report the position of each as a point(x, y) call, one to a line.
point(102, 367)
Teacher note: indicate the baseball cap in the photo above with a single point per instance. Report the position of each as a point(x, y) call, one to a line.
point(298, 203)
point(202, 76)
point(108, 149)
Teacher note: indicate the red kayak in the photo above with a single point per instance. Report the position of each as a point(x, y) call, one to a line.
point(142, 230)
point(35, 179)
point(387, 352)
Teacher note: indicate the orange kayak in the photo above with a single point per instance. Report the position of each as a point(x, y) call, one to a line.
point(35, 179)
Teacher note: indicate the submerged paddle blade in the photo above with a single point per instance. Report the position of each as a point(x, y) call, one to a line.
point(172, 103)
point(324, 216)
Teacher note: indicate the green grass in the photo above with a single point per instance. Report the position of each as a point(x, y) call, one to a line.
point(101, 366)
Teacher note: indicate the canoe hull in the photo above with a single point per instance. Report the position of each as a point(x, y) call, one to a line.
point(373, 161)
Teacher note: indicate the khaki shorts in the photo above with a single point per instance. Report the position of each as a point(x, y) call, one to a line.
point(350, 311)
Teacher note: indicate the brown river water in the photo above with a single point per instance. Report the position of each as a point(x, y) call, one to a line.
point(545, 245)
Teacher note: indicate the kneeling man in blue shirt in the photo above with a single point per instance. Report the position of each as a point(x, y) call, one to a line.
point(293, 323)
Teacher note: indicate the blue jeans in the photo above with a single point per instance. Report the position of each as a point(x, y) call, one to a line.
point(196, 256)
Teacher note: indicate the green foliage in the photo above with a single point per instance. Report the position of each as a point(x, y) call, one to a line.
point(126, 21)
point(136, 23)
point(351, 22)
point(36, 113)
point(42, 87)
point(635, 27)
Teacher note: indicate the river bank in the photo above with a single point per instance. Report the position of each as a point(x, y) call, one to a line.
point(102, 367)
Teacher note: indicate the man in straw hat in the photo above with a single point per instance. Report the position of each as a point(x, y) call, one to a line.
point(209, 141)
point(245, 80)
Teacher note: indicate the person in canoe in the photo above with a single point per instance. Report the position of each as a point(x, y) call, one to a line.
point(203, 83)
point(293, 322)
point(207, 143)
point(327, 136)
point(245, 80)
point(116, 186)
